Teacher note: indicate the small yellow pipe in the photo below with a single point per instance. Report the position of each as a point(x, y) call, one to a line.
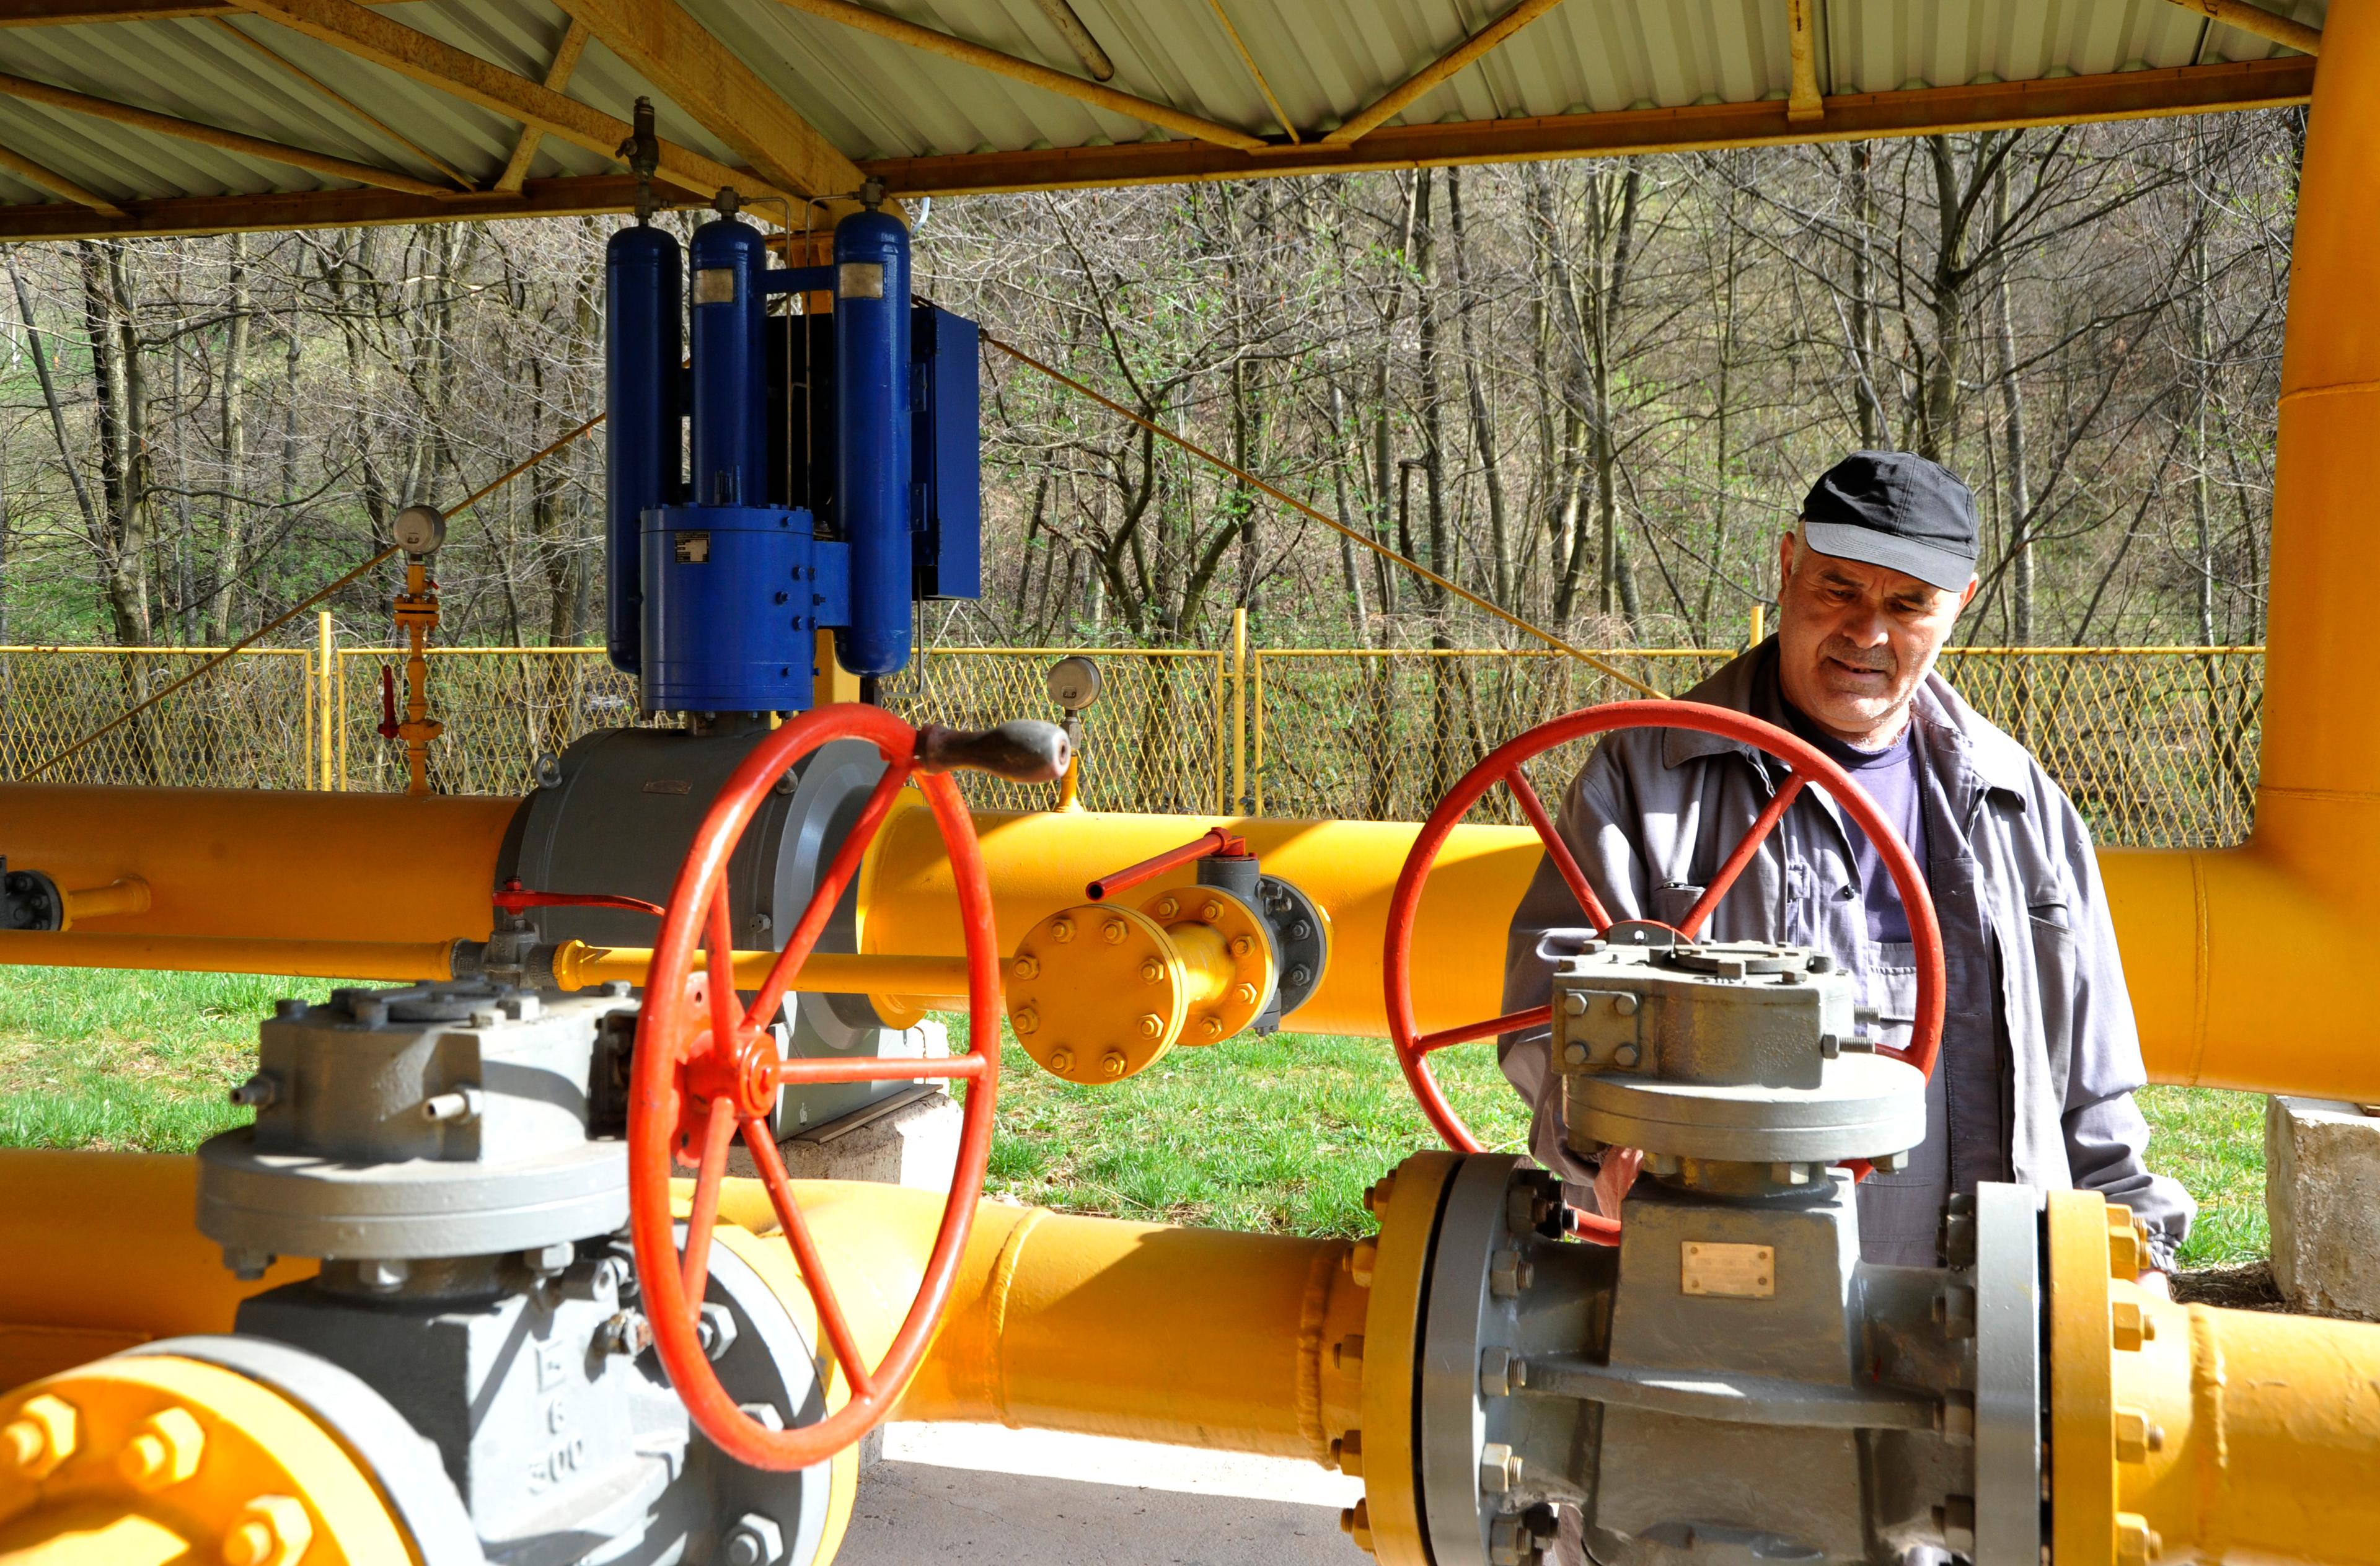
point(1206, 960)
point(126, 894)
point(577, 965)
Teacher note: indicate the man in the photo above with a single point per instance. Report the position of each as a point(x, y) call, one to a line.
point(2039, 1053)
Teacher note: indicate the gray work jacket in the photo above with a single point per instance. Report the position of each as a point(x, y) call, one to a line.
point(2040, 1055)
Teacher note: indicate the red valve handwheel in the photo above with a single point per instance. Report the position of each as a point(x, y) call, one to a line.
point(1504, 765)
point(705, 1071)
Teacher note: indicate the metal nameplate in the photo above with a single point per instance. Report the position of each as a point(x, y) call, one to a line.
point(1730, 1271)
point(714, 285)
point(860, 280)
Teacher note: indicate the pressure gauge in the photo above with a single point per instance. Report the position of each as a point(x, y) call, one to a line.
point(1074, 683)
point(420, 530)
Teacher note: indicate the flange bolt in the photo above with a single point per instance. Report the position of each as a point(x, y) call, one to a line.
point(1113, 931)
point(163, 1453)
point(756, 1540)
point(41, 1437)
point(1152, 971)
point(272, 1530)
point(1113, 1062)
point(1062, 930)
point(1151, 1025)
point(2137, 1544)
point(1026, 1020)
point(1355, 1522)
point(1061, 1061)
point(1026, 965)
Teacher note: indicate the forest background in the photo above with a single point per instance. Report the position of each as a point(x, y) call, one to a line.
point(1593, 392)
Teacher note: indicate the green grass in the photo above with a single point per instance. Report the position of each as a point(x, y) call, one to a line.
point(1269, 1133)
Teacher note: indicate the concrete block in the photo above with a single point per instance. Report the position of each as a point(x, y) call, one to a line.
point(2322, 1193)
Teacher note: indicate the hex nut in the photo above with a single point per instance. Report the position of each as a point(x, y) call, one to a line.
point(1210, 910)
point(1574, 1003)
point(754, 1540)
point(1062, 930)
point(1243, 944)
point(1499, 1469)
point(1245, 994)
point(715, 1328)
point(1113, 931)
point(626, 1333)
point(547, 1260)
point(1347, 1451)
point(1168, 908)
point(1152, 971)
point(2137, 1544)
point(1212, 1028)
point(1362, 1258)
point(1376, 1195)
point(1026, 965)
point(1113, 1062)
point(1626, 1056)
point(1624, 1003)
point(271, 1530)
point(2124, 1243)
point(2137, 1436)
point(41, 1437)
point(164, 1452)
point(1956, 1518)
point(1956, 1418)
point(1347, 1353)
point(1574, 1054)
point(1355, 1522)
point(1026, 1020)
point(1151, 1025)
point(2130, 1325)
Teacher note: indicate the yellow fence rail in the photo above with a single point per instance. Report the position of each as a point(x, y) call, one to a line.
point(2157, 745)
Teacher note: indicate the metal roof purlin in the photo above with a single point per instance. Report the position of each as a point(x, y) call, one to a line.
point(366, 35)
point(678, 56)
point(1803, 106)
point(461, 179)
point(1393, 101)
point(2250, 18)
point(1279, 114)
point(1027, 71)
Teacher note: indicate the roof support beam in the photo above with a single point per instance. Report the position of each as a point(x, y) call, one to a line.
point(1803, 106)
point(674, 52)
point(2253, 18)
point(1164, 115)
point(65, 13)
point(2255, 84)
point(281, 212)
point(1394, 101)
point(369, 36)
point(208, 135)
point(48, 179)
point(1279, 114)
point(557, 77)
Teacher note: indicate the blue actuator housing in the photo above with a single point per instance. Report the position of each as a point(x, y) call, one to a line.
point(644, 450)
point(734, 598)
point(872, 436)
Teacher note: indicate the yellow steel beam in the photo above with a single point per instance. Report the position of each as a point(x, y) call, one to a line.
point(279, 212)
point(682, 60)
point(1248, 61)
point(1161, 114)
point(2255, 84)
point(1394, 102)
point(49, 179)
point(357, 31)
point(2253, 18)
point(557, 77)
point(1803, 105)
point(148, 120)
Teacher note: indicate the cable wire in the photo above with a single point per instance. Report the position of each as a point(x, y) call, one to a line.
point(1383, 551)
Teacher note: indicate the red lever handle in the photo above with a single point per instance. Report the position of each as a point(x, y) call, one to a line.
point(512, 900)
point(1213, 841)
point(387, 701)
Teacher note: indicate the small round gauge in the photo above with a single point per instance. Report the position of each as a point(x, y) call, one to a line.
point(420, 530)
point(1074, 683)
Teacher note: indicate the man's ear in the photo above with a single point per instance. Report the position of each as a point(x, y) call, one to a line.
point(1969, 595)
point(1785, 561)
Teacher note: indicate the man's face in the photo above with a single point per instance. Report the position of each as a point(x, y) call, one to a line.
point(1854, 640)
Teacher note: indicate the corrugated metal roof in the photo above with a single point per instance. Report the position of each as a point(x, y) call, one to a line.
point(875, 99)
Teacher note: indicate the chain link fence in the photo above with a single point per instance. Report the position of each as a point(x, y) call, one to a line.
point(2158, 746)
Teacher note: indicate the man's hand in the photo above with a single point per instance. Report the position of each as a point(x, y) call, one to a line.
point(1614, 1176)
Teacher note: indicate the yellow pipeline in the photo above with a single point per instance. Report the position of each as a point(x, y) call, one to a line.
point(2202, 929)
point(2188, 1432)
point(1196, 1337)
point(268, 863)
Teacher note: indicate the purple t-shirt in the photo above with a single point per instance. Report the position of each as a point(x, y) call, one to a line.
point(1890, 778)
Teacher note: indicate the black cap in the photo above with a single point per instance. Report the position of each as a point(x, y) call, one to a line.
point(1893, 509)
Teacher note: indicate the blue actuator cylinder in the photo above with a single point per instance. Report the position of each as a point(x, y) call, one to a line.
point(642, 443)
point(872, 436)
point(730, 392)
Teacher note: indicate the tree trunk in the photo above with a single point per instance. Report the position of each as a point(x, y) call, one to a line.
point(2014, 470)
point(1483, 429)
point(231, 535)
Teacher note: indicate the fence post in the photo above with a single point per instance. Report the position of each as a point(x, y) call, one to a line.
point(324, 727)
point(1239, 711)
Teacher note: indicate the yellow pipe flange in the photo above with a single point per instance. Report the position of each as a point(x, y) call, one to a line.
point(1388, 1521)
point(1097, 994)
point(2092, 1243)
point(1228, 946)
point(157, 1459)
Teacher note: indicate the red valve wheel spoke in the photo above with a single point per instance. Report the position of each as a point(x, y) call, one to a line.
point(706, 1069)
point(1505, 766)
point(1511, 1022)
point(716, 1134)
point(1741, 855)
point(1556, 850)
point(832, 1321)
